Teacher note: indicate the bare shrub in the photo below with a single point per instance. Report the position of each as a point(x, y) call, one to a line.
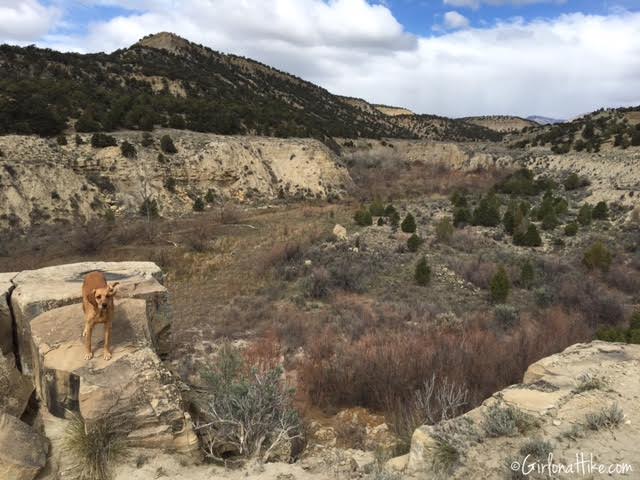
point(390, 173)
point(317, 284)
point(198, 240)
point(280, 256)
point(265, 353)
point(230, 214)
point(583, 294)
point(248, 415)
point(624, 278)
point(476, 271)
point(437, 400)
point(375, 370)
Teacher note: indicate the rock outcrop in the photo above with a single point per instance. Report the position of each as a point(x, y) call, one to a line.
point(15, 388)
point(582, 401)
point(133, 387)
point(43, 182)
point(38, 291)
point(133, 384)
point(23, 451)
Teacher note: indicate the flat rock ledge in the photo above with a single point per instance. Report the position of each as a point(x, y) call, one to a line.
point(558, 392)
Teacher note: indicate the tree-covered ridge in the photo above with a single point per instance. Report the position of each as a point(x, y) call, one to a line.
point(434, 127)
point(617, 128)
point(43, 92)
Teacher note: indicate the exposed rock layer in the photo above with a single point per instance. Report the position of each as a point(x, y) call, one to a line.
point(42, 182)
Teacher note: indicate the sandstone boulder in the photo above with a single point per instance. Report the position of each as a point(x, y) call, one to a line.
point(134, 383)
point(6, 324)
point(340, 232)
point(23, 451)
point(37, 291)
point(15, 388)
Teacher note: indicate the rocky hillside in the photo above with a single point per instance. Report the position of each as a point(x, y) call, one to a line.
point(166, 80)
point(432, 127)
point(578, 405)
point(606, 129)
point(501, 123)
point(393, 111)
point(42, 181)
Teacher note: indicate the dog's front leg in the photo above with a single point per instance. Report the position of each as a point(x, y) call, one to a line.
point(87, 340)
point(107, 340)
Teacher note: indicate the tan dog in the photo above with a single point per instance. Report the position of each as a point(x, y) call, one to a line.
point(97, 305)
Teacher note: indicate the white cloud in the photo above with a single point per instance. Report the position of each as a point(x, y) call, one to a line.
point(559, 67)
point(25, 20)
point(453, 20)
point(475, 4)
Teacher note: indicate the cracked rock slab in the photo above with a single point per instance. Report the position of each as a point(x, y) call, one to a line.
point(38, 291)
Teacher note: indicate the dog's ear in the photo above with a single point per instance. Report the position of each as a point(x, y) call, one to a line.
point(112, 289)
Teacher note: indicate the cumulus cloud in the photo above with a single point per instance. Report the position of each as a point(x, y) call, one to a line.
point(556, 67)
point(26, 19)
point(475, 4)
point(454, 20)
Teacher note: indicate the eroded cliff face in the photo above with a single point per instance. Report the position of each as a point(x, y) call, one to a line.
point(43, 182)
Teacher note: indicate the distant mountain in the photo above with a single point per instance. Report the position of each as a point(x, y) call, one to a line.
point(544, 120)
point(165, 80)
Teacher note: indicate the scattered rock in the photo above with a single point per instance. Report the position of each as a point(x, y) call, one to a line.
point(340, 232)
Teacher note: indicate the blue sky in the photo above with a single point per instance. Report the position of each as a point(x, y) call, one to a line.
point(557, 58)
point(420, 17)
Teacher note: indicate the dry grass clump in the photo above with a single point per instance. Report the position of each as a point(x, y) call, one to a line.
point(507, 421)
point(94, 449)
point(608, 417)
